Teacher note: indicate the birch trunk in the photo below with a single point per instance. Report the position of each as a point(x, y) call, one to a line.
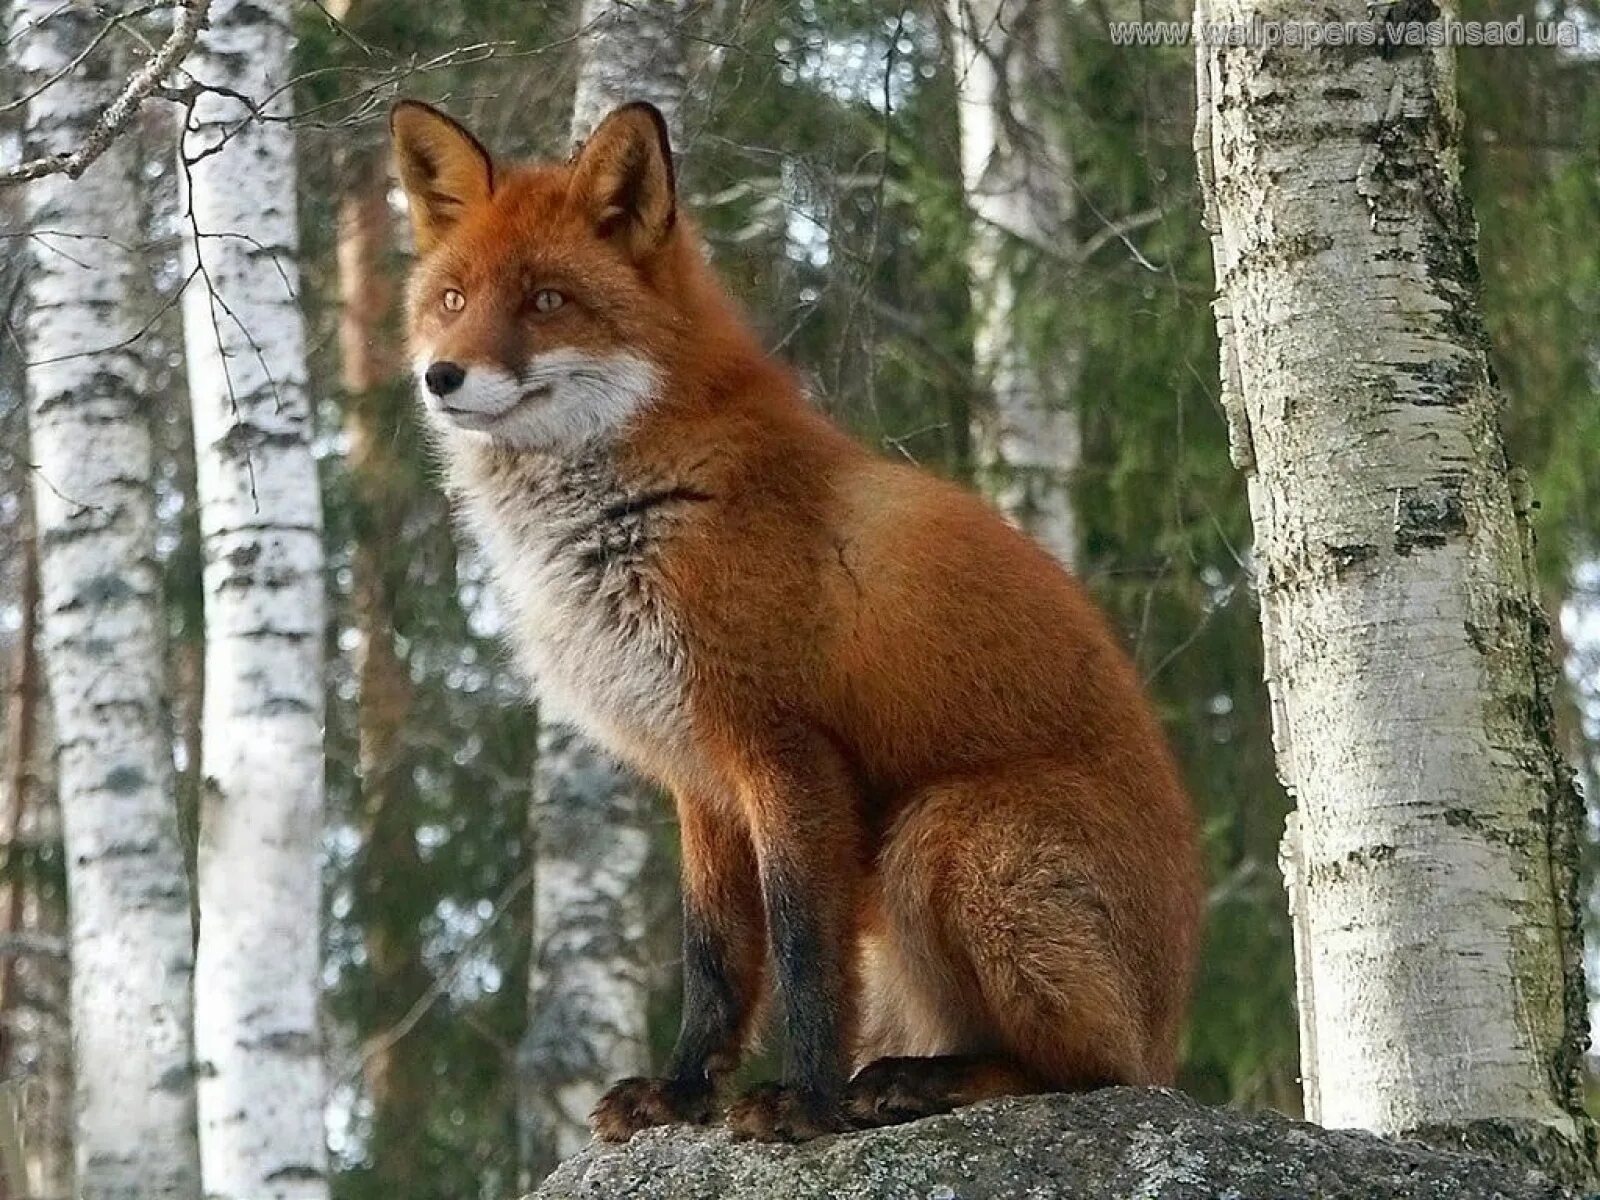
point(590, 982)
point(101, 635)
point(1017, 174)
point(256, 1026)
point(629, 51)
point(1407, 656)
point(590, 976)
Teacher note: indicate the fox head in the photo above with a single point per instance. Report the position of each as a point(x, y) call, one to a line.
point(548, 301)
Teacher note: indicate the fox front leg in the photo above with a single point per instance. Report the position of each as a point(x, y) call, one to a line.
point(724, 956)
point(807, 848)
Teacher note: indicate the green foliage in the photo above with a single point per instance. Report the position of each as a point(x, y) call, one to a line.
point(1533, 171)
point(1167, 532)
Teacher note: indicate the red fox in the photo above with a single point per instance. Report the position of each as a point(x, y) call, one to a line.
point(917, 784)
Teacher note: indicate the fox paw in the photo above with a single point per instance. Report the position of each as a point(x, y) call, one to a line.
point(638, 1103)
point(774, 1112)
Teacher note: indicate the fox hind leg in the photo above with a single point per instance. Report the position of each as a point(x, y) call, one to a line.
point(1001, 961)
point(891, 1090)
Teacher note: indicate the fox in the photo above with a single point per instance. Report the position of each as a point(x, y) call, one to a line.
point(925, 808)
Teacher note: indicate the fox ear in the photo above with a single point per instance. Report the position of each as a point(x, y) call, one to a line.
point(443, 168)
point(623, 175)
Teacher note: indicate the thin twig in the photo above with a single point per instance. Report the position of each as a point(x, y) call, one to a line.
point(386, 1040)
point(118, 114)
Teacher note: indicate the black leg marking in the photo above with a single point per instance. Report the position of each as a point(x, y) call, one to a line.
point(712, 1012)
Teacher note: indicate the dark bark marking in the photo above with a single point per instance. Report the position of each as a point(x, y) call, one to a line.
point(1347, 555)
point(1429, 518)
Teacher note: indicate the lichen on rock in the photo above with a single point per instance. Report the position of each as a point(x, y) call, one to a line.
point(1117, 1144)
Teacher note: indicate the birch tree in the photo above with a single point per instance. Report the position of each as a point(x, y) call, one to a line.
point(590, 985)
point(100, 632)
point(1408, 659)
point(1017, 174)
point(256, 1027)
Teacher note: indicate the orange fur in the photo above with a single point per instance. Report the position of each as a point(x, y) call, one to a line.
point(905, 746)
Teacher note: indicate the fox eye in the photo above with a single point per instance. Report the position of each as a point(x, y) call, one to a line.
point(453, 300)
point(547, 300)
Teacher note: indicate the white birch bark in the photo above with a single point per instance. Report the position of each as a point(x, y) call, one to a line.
point(591, 981)
point(101, 635)
point(1017, 173)
point(1407, 655)
point(590, 986)
point(256, 1013)
point(629, 51)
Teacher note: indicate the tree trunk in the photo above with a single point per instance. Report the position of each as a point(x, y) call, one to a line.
point(261, 528)
point(1407, 656)
point(35, 1028)
point(1017, 174)
point(101, 639)
point(390, 907)
point(22, 710)
point(629, 51)
point(590, 974)
point(590, 982)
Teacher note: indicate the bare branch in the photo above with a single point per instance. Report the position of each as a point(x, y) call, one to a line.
point(186, 26)
point(78, 59)
point(441, 985)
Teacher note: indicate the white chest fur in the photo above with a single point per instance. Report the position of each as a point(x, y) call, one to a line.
point(574, 553)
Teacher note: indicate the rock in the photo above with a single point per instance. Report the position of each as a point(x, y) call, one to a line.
point(1117, 1144)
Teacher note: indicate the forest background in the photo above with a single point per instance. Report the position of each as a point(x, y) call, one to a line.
point(820, 149)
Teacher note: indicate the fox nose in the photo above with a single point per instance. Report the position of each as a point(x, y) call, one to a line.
point(443, 378)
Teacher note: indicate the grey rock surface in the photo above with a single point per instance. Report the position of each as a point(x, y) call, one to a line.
point(1117, 1144)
